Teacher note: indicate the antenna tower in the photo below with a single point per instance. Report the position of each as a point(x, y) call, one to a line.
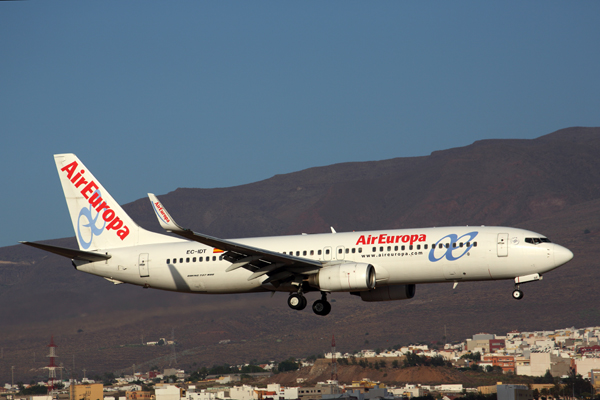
point(52, 367)
point(334, 376)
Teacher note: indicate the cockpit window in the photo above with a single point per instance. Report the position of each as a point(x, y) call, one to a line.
point(537, 240)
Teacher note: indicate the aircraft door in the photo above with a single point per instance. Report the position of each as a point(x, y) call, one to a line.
point(327, 253)
point(143, 265)
point(339, 252)
point(502, 244)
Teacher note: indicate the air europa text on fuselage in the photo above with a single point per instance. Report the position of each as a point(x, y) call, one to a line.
point(91, 188)
point(385, 239)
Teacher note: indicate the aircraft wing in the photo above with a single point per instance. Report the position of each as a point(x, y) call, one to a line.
point(70, 253)
point(279, 267)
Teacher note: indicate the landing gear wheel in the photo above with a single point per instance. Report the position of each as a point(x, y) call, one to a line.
point(517, 294)
point(297, 301)
point(321, 307)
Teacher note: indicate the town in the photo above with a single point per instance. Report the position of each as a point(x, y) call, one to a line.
point(563, 363)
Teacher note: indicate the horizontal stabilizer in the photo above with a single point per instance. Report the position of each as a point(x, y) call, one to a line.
point(70, 253)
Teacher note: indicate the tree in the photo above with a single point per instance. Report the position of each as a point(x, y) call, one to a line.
point(251, 369)
point(472, 356)
point(288, 365)
point(34, 389)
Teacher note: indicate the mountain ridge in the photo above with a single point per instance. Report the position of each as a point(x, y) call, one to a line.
point(550, 185)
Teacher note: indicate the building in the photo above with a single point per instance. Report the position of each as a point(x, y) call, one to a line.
point(539, 363)
point(92, 391)
point(318, 391)
point(496, 345)
point(514, 392)
point(168, 392)
point(507, 363)
point(585, 365)
point(138, 395)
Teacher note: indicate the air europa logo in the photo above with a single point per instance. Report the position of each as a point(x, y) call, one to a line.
point(385, 239)
point(92, 223)
point(91, 192)
point(449, 251)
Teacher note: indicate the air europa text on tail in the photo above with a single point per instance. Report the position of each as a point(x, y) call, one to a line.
point(92, 194)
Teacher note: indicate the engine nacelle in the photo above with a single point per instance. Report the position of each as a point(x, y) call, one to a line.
point(344, 278)
point(388, 293)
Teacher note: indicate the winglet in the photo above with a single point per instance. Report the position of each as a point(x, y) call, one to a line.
point(164, 218)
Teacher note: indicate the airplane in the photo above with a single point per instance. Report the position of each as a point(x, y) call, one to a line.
point(380, 265)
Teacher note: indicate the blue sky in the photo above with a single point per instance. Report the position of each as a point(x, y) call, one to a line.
point(153, 96)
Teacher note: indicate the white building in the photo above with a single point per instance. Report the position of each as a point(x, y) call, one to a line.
point(585, 365)
point(168, 392)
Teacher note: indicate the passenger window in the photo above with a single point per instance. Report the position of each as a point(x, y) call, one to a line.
point(447, 245)
point(441, 245)
point(360, 249)
point(381, 248)
point(174, 261)
point(474, 244)
point(418, 247)
point(347, 250)
point(194, 259)
point(312, 252)
point(461, 244)
point(339, 251)
point(304, 253)
point(199, 259)
point(327, 251)
point(168, 261)
point(410, 247)
point(454, 244)
point(425, 246)
point(319, 252)
point(298, 253)
point(389, 248)
point(395, 248)
point(403, 247)
point(468, 244)
point(374, 249)
point(353, 250)
point(214, 258)
point(187, 259)
point(220, 258)
point(181, 260)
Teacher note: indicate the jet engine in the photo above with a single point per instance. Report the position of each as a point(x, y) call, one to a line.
point(344, 278)
point(388, 293)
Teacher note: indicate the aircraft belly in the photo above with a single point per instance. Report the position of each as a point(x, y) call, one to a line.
point(413, 271)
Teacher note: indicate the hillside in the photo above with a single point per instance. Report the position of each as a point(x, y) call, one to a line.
point(321, 372)
point(549, 185)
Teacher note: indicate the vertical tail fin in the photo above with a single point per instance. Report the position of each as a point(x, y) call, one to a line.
point(98, 220)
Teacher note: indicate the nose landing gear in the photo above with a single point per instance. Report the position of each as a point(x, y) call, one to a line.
point(517, 294)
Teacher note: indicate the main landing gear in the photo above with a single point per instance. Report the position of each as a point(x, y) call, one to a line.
point(297, 301)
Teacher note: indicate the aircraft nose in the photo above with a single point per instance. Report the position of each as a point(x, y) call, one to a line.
point(562, 255)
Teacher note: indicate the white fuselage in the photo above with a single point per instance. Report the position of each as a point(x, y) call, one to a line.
point(405, 256)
